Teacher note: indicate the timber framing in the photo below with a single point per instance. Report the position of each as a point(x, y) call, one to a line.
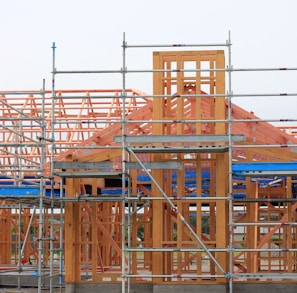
point(151, 188)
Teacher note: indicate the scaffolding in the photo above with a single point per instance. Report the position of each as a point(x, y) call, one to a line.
point(26, 212)
point(176, 187)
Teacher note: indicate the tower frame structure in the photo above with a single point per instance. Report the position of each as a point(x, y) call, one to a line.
point(167, 256)
point(152, 189)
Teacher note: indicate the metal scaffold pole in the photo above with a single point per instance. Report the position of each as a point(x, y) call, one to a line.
point(42, 190)
point(123, 144)
point(52, 169)
point(230, 194)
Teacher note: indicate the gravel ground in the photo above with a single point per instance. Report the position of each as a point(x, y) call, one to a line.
point(29, 290)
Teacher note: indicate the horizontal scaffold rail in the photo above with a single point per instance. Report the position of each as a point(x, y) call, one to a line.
point(125, 45)
point(264, 168)
point(125, 71)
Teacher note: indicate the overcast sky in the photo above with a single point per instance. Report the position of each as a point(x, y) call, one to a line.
point(89, 34)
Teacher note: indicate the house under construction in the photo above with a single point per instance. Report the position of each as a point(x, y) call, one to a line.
point(120, 190)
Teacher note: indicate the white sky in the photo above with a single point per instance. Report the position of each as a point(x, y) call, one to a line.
point(89, 34)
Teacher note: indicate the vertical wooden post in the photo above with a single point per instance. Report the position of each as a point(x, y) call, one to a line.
point(252, 231)
point(5, 236)
point(72, 260)
point(222, 211)
point(222, 218)
point(93, 232)
point(290, 235)
point(157, 216)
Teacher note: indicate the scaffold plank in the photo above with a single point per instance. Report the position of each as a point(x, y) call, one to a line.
point(264, 168)
point(19, 191)
point(83, 174)
point(109, 165)
point(182, 149)
point(179, 138)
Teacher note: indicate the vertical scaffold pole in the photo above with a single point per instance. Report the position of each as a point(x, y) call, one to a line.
point(42, 190)
point(61, 246)
point(52, 169)
point(230, 166)
point(123, 163)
